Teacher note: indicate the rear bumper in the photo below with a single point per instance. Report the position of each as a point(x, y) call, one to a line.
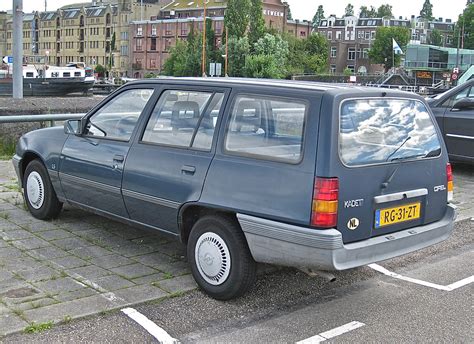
point(282, 244)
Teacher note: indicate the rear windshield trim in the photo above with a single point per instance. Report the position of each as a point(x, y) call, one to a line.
point(388, 162)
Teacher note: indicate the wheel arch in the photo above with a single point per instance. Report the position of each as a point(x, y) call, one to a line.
point(28, 157)
point(190, 213)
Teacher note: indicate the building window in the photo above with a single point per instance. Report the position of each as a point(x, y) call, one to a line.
point(139, 31)
point(139, 44)
point(333, 52)
point(351, 55)
point(338, 35)
point(365, 53)
point(333, 69)
point(167, 44)
point(367, 35)
point(360, 34)
point(184, 29)
point(330, 35)
point(153, 30)
point(351, 67)
point(153, 63)
point(372, 35)
point(168, 28)
point(153, 44)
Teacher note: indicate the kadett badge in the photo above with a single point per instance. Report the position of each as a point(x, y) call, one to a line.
point(353, 224)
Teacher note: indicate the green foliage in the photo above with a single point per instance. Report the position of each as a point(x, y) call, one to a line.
point(272, 45)
point(435, 38)
point(257, 23)
point(238, 49)
point(318, 16)
point(307, 56)
point(427, 10)
point(347, 72)
point(466, 20)
point(99, 69)
point(385, 11)
point(263, 66)
point(35, 328)
point(236, 18)
point(365, 12)
point(7, 149)
point(382, 52)
point(150, 75)
point(349, 11)
point(289, 16)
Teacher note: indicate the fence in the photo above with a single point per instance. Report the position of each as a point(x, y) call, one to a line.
point(51, 118)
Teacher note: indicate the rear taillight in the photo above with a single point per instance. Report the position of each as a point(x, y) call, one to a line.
point(449, 175)
point(325, 198)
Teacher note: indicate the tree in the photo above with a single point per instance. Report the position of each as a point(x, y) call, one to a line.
point(236, 18)
point(273, 45)
point(427, 10)
point(382, 48)
point(257, 23)
point(349, 11)
point(263, 66)
point(435, 38)
point(365, 12)
point(465, 27)
point(185, 58)
point(319, 15)
point(238, 49)
point(385, 11)
point(289, 16)
point(307, 55)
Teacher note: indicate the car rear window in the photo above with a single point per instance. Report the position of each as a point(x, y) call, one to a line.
point(376, 131)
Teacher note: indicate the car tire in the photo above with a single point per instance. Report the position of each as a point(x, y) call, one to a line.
point(220, 259)
point(40, 196)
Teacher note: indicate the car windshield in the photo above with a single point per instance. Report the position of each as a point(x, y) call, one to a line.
point(385, 130)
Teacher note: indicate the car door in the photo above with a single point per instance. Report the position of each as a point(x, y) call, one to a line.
point(167, 166)
point(458, 125)
point(91, 164)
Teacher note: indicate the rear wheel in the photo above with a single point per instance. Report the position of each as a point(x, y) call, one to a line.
point(40, 196)
point(220, 259)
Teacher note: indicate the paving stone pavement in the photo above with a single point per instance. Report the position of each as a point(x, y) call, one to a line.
point(78, 265)
point(82, 264)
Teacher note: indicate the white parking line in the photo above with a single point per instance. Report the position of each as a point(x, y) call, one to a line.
point(160, 335)
point(450, 287)
point(332, 333)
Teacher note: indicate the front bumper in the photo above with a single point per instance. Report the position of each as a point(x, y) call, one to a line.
point(282, 244)
point(16, 161)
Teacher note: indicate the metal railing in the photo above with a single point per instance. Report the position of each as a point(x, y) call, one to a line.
point(51, 118)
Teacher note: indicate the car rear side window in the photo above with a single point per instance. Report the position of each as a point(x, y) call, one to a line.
point(376, 131)
point(267, 127)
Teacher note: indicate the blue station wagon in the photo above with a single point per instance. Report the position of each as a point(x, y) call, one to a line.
point(307, 175)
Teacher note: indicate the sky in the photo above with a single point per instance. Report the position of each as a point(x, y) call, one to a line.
point(305, 9)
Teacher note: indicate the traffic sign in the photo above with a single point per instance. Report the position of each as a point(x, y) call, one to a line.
point(454, 76)
point(8, 59)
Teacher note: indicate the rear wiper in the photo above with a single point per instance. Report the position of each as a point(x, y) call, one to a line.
point(398, 148)
point(430, 154)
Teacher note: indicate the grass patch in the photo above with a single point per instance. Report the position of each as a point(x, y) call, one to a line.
point(35, 328)
point(5, 216)
point(7, 149)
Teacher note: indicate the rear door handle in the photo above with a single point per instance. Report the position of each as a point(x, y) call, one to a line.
point(188, 169)
point(119, 158)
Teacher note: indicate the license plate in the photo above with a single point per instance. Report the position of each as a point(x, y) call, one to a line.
point(403, 213)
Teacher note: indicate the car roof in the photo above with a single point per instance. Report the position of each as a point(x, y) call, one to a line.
point(302, 85)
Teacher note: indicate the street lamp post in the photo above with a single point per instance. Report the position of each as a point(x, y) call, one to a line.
point(17, 49)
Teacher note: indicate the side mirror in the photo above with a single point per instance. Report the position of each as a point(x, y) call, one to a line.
point(464, 104)
point(73, 126)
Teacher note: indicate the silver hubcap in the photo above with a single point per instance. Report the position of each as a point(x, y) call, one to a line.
point(212, 258)
point(35, 190)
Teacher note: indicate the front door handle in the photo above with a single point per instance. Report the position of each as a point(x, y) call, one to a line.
point(187, 169)
point(119, 158)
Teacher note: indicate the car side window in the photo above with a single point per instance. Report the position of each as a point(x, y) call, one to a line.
point(184, 119)
point(465, 93)
point(117, 119)
point(268, 128)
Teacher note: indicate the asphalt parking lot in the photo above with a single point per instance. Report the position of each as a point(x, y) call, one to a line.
point(85, 266)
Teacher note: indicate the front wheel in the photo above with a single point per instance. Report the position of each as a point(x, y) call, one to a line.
point(40, 196)
point(220, 259)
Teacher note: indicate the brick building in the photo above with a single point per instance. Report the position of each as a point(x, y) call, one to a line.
point(151, 40)
point(351, 38)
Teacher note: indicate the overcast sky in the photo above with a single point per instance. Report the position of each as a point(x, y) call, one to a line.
point(305, 9)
